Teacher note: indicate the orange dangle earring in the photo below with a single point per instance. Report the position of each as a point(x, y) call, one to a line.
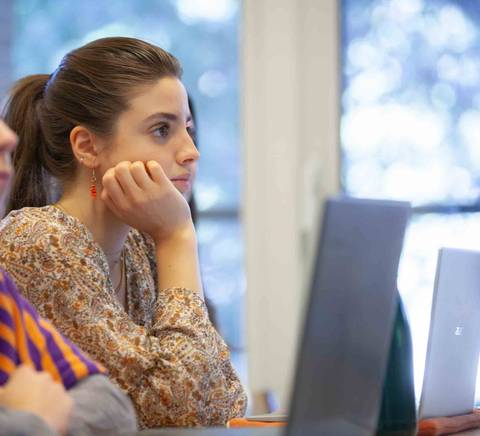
point(93, 185)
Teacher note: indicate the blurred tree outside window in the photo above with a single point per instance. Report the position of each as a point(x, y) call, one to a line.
point(410, 130)
point(203, 35)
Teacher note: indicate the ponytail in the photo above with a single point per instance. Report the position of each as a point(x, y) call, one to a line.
point(22, 114)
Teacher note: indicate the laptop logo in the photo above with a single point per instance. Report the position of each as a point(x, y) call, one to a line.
point(458, 331)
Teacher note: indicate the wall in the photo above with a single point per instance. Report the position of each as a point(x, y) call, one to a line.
point(290, 107)
point(6, 29)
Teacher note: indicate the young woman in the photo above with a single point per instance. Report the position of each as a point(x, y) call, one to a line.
point(48, 386)
point(113, 262)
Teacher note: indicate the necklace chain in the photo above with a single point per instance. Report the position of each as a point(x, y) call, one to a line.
point(121, 258)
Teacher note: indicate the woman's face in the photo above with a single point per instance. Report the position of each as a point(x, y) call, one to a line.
point(8, 142)
point(157, 126)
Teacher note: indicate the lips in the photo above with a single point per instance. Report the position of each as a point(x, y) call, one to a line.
point(185, 178)
point(183, 183)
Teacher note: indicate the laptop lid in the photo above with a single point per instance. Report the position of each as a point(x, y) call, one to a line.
point(454, 337)
point(349, 318)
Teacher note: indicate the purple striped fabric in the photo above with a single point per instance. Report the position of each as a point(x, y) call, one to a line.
point(4, 376)
point(40, 339)
point(7, 350)
point(6, 318)
point(63, 366)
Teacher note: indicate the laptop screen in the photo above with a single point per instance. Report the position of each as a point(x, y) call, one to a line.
point(349, 318)
point(454, 339)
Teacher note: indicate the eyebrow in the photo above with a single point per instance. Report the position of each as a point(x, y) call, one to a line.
point(166, 115)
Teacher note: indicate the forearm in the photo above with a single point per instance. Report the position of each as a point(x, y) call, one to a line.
point(177, 262)
point(99, 407)
point(201, 361)
point(18, 423)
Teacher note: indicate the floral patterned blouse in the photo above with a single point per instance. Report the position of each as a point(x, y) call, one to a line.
point(164, 353)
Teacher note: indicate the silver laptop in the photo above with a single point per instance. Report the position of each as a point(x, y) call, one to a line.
point(343, 355)
point(454, 339)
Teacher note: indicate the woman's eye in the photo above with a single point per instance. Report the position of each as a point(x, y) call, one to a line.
point(161, 131)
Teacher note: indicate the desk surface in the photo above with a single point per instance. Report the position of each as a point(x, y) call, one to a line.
point(238, 432)
point(272, 431)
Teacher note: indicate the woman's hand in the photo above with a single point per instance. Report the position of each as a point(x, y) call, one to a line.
point(35, 392)
point(142, 196)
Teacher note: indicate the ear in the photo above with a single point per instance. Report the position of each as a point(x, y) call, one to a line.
point(85, 146)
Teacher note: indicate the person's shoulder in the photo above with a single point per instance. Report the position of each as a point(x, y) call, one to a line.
point(28, 218)
point(32, 226)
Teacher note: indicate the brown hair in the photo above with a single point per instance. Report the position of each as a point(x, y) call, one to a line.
point(91, 87)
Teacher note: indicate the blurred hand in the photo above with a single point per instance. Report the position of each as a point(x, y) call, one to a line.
point(35, 392)
point(142, 196)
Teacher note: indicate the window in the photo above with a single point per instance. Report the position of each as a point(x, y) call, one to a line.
point(410, 129)
point(204, 36)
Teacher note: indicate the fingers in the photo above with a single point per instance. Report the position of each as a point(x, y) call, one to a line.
point(125, 179)
point(156, 171)
point(111, 188)
point(140, 175)
point(141, 194)
point(112, 204)
point(25, 369)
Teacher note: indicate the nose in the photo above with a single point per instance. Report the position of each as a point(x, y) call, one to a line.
point(188, 152)
point(5, 164)
point(8, 139)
